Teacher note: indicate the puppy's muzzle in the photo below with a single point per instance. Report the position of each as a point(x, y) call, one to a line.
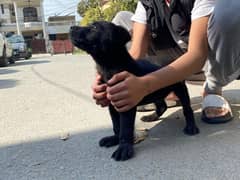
point(74, 35)
point(73, 31)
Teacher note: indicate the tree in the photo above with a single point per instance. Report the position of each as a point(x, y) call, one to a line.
point(91, 15)
point(84, 5)
point(91, 10)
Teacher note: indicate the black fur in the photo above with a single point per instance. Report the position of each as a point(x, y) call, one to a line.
point(105, 42)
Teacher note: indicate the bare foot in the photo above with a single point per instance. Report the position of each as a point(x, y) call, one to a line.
point(171, 96)
point(212, 112)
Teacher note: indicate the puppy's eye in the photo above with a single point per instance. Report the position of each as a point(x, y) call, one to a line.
point(93, 27)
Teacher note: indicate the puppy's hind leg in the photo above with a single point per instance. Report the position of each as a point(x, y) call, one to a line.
point(126, 136)
point(113, 140)
point(161, 107)
point(182, 93)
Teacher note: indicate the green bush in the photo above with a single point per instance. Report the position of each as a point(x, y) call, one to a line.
point(91, 15)
point(92, 11)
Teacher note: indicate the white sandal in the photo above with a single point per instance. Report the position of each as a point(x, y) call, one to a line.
point(216, 101)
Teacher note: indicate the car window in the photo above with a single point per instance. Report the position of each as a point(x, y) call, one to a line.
point(15, 39)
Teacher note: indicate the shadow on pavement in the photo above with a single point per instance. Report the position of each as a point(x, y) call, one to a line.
point(7, 71)
point(8, 83)
point(166, 153)
point(172, 126)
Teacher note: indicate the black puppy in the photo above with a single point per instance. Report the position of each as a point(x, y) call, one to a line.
point(105, 42)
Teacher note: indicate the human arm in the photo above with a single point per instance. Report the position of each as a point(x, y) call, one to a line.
point(140, 40)
point(131, 89)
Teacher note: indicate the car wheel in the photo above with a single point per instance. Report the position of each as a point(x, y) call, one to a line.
point(3, 59)
point(11, 60)
point(29, 55)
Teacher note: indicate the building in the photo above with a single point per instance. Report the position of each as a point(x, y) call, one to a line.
point(58, 27)
point(58, 33)
point(24, 17)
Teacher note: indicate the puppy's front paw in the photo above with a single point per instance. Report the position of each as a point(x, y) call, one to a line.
point(124, 152)
point(191, 130)
point(109, 141)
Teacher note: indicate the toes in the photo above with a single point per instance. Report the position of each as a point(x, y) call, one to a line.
point(191, 130)
point(116, 155)
point(212, 112)
point(109, 141)
point(123, 153)
point(127, 154)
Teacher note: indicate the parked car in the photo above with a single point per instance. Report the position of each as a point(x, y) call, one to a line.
point(5, 52)
point(20, 49)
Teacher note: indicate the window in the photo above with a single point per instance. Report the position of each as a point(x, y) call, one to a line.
point(30, 14)
point(11, 9)
point(2, 8)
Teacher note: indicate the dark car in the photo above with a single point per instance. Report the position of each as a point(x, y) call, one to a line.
point(20, 49)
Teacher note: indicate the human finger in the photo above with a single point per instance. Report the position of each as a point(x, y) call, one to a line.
point(118, 77)
point(99, 95)
point(99, 88)
point(123, 108)
point(118, 95)
point(119, 104)
point(103, 103)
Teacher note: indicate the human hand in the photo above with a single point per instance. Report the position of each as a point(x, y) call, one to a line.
point(125, 91)
point(99, 92)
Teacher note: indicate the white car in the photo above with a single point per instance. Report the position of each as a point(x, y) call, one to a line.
point(5, 52)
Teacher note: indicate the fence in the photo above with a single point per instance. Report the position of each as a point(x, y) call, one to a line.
point(37, 45)
point(61, 46)
point(54, 47)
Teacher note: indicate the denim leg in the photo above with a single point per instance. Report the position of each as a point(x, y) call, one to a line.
point(224, 45)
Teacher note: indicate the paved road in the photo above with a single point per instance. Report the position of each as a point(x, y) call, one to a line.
point(45, 98)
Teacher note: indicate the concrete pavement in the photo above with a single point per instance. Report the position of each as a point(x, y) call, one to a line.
point(47, 97)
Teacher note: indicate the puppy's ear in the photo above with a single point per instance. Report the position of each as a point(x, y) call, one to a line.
point(124, 35)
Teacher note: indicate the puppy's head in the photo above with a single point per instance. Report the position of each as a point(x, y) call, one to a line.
point(101, 37)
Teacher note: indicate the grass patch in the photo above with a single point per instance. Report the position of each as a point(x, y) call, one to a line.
point(78, 51)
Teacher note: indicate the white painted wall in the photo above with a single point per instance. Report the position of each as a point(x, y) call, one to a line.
point(8, 26)
point(6, 15)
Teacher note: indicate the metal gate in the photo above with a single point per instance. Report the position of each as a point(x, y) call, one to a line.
point(37, 45)
point(62, 46)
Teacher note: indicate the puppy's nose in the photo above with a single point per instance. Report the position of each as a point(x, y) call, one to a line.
point(73, 28)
